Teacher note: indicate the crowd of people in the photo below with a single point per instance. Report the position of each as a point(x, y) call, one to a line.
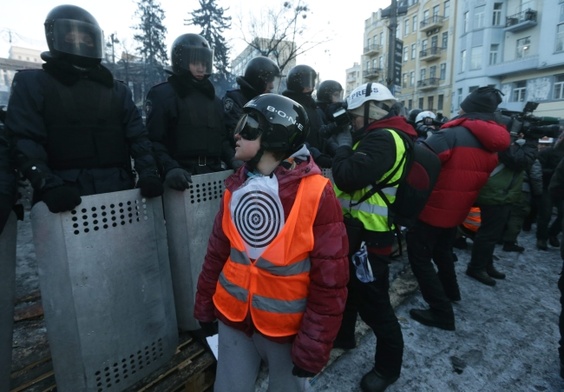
point(288, 297)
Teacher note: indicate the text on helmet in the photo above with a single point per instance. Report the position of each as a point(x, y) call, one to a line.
point(283, 114)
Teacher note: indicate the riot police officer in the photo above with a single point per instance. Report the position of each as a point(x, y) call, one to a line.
point(261, 75)
point(185, 117)
point(7, 175)
point(75, 128)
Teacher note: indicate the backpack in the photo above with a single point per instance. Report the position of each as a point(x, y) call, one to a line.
point(422, 167)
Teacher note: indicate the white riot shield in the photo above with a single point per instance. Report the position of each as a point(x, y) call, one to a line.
point(7, 290)
point(189, 221)
point(106, 289)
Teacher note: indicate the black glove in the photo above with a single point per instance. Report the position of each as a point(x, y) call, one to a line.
point(62, 198)
point(178, 179)
point(299, 372)
point(324, 161)
point(209, 328)
point(150, 186)
point(6, 203)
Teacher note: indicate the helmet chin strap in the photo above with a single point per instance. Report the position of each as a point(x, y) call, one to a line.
point(253, 162)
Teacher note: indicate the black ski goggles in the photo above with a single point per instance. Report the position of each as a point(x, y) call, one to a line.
point(248, 128)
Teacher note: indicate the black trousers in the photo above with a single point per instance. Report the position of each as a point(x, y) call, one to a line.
point(493, 220)
point(425, 244)
point(546, 228)
point(372, 302)
point(561, 320)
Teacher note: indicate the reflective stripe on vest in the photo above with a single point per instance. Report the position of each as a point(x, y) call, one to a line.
point(473, 219)
point(273, 288)
point(373, 212)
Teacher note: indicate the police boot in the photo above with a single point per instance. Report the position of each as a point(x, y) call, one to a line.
point(490, 269)
point(373, 381)
point(542, 245)
point(481, 276)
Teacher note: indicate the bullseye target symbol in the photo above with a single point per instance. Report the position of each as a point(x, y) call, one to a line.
point(257, 218)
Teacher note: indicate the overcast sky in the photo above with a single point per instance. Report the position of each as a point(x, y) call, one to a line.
point(344, 21)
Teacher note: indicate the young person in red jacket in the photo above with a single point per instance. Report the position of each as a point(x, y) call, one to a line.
point(467, 147)
point(276, 268)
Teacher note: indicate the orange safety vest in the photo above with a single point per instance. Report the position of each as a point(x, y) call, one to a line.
point(274, 287)
point(473, 219)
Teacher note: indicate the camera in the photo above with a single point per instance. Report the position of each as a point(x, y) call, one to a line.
point(340, 115)
point(530, 126)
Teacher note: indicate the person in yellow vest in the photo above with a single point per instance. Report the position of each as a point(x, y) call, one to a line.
point(276, 270)
point(375, 150)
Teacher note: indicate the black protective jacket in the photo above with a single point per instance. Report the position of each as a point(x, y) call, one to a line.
point(233, 103)
point(185, 123)
point(78, 128)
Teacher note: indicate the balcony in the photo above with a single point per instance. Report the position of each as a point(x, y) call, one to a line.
point(521, 21)
point(372, 50)
point(428, 84)
point(433, 53)
point(371, 73)
point(433, 23)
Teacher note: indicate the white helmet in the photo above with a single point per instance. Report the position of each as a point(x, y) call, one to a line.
point(425, 114)
point(368, 92)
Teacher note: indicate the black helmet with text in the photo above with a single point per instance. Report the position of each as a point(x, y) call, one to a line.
point(281, 122)
point(74, 35)
point(191, 49)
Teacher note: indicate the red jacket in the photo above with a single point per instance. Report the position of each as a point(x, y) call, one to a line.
point(329, 271)
point(467, 148)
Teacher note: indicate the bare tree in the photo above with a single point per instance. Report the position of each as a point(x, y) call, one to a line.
point(280, 33)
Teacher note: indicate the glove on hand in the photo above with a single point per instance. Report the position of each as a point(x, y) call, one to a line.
point(344, 138)
point(178, 179)
point(6, 203)
point(324, 161)
point(299, 372)
point(62, 198)
point(209, 328)
point(150, 186)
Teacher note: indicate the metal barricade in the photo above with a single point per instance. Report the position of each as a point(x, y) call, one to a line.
point(189, 220)
point(106, 289)
point(7, 290)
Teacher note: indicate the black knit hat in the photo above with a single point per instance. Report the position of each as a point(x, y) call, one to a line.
point(482, 100)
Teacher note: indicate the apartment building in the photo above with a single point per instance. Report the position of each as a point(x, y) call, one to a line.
point(451, 47)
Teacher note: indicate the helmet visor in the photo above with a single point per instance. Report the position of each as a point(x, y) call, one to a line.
point(195, 56)
point(248, 128)
point(78, 38)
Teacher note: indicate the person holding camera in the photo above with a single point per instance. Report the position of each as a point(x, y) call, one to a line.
point(500, 192)
point(333, 111)
point(425, 124)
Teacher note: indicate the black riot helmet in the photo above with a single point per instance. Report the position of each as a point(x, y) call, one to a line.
point(300, 77)
point(329, 91)
point(281, 122)
point(190, 49)
point(412, 115)
point(73, 34)
point(260, 71)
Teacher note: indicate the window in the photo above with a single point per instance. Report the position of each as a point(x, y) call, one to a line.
point(463, 61)
point(479, 16)
point(445, 40)
point(423, 74)
point(413, 51)
point(414, 23)
point(412, 78)
point(496, 19)
point(410, 104)
point(465, 22)
point(440, 102)
point(368, 65)
point(430, 102)
point(424, 45)
point(447, 9)
point(494, 50)
point(442, 72)
point(421, 102)
point(523, 47)
point(519, 91)
point(476, 57)
point(433, 71)
point(368, 43)
point(426, 16)
point(558, 87)
point(436, 11)
point(406, 26)
point(434, 41)
point(405, 53)
point(560, 37)
point(382, 38)
point(404, 80)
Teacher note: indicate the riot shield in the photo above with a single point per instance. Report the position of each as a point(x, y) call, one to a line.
point(7, 290)
point(106, 289)
point(189, 221)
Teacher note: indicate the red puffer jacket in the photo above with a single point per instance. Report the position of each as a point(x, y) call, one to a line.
point(329, 271)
